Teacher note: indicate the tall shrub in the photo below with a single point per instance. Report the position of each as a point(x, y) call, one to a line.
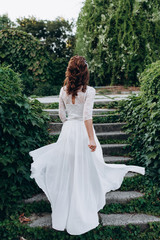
point(142, 115)
point(118, 38)
point(27, 56)
point(23, 127)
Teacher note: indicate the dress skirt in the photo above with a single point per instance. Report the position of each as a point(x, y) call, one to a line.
point(74, 179)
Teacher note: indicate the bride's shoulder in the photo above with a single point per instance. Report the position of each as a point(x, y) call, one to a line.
point(90, 89)
point(63, 89)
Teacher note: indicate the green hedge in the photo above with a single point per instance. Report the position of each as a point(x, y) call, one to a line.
point(23, 128)
point(142, 114)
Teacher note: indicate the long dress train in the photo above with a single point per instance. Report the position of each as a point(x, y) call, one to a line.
point(74, 179)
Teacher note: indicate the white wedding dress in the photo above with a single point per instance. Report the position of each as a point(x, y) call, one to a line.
point(74, 179)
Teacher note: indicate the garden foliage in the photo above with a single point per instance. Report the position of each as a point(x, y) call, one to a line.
point(118, 38)
point(26, 55)
point(23, 127)
point(142, 114)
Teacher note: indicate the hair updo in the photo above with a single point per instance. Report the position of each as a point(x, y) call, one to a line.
point(77, 75)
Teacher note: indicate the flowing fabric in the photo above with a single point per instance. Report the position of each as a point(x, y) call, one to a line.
point(74, 179)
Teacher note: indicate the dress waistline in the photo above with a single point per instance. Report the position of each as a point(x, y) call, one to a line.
point(75, 118)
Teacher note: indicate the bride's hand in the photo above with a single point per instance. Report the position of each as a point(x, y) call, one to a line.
point(92, 145)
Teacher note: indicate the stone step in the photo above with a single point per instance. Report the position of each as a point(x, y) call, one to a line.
point(111, 197)
point(99, 127)
point(113, 159)
point(124, 219)
point(111, 149)
point(118, 135)
point(40, 220)
point(122, 196)
point(56, 116)
point(95, 111)
point(106, 101)
point(108, 127)
point(140, 219)
point(36, 198)
point(131, 174)
point(104, 98)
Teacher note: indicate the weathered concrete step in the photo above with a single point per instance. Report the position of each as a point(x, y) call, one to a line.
point(108, 127)
point(113, 159)
point(40, 220)
point(99, 127)
point(111, 149)
point(111, 197)
point(95, 110)
point(105, 114)
point(36, 198)
point(142, 220)
point(113, 115)
point(122, 196)
point(131, 174)
point(116, 135)
point(124, 219)
point(106, 101)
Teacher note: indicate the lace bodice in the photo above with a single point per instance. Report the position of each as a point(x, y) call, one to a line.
point(81, 109)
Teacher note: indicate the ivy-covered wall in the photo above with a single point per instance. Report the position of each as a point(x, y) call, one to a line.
point(118, 38)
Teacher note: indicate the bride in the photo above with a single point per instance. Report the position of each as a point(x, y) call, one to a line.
point(72, 171)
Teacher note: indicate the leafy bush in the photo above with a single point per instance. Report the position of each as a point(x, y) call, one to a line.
point(10, 84)
point(118, 39)
point(27, 56)
point(40, 73)
point(23, 128)
point(142, 114)
point(53, 85)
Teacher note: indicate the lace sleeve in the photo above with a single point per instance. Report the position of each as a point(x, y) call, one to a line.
point(62, 111)
point(88, 106)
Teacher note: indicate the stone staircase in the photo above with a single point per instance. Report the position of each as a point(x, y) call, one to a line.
point(113, 153)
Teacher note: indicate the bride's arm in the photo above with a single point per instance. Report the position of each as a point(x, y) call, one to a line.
point(87, 117)
point(89, 127)
point(62, 111)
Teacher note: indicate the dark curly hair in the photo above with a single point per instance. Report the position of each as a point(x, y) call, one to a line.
point(77, 75)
